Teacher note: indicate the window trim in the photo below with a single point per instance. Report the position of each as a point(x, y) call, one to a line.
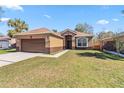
point(81, 38)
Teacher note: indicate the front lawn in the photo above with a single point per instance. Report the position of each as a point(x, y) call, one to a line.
point(76, 68)
point(7, 51)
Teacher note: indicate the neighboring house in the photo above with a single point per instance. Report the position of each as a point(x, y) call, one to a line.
point(121, 36)
point(46, 41)
point(4, 42)
point(110, 42)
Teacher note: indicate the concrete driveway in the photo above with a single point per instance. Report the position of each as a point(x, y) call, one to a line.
point(10, 58)
point(6, 59)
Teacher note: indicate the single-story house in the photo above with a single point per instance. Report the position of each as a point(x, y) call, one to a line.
point(4, 42)
point(109, 43)
point(46, 41)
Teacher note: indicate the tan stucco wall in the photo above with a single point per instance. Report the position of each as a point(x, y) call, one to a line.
point(55, 42)
point(18, 44)
point(73, 42)
point(30, 36)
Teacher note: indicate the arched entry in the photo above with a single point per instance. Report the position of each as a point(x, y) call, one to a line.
point(68, 35)
point(68, 41)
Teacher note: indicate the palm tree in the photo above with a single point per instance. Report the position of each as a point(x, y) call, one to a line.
point(122, 12)
point(54, 30)
point(17, 25)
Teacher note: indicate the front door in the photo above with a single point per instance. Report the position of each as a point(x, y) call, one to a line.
point(68, 42)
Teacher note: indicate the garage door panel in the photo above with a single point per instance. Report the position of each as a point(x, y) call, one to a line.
point(33, 45)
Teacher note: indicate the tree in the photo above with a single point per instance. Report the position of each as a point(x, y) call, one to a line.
point(17, 25)
point(119, 44)
point(104, 34)
point(101, 35)
point(11, 33)
point(54, 30)
point(84, 28)
point(122, 12)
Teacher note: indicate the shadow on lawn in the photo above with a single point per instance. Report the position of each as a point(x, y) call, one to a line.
point(101, 55)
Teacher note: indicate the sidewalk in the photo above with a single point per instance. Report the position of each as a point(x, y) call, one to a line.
point(115, 53)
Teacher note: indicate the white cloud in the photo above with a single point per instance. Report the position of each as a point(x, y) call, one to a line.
point(47, 16)
point(14, 7)
point(102, 22)
point(105, 7)
point(115, 19)
point(4, 19)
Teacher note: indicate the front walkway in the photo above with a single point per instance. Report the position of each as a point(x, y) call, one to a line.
point(6, 59)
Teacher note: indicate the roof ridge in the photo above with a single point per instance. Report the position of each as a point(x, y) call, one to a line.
point(38, 31)
point(83, 32)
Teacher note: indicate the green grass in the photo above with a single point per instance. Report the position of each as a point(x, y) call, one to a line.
point(7, 51)
point(76, 68)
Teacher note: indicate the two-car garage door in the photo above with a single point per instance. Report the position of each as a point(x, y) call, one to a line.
point(33, 45)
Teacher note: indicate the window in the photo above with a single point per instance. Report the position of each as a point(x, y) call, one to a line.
point(82, 42)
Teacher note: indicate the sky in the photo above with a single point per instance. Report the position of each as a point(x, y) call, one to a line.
point(108, 18)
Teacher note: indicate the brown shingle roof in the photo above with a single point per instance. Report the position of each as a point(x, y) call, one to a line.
point(72, 31)
point(47, 31)
point(83, 34)
point(77, 33)
point(35, 31)
point(4, 38)
point(39, 31)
